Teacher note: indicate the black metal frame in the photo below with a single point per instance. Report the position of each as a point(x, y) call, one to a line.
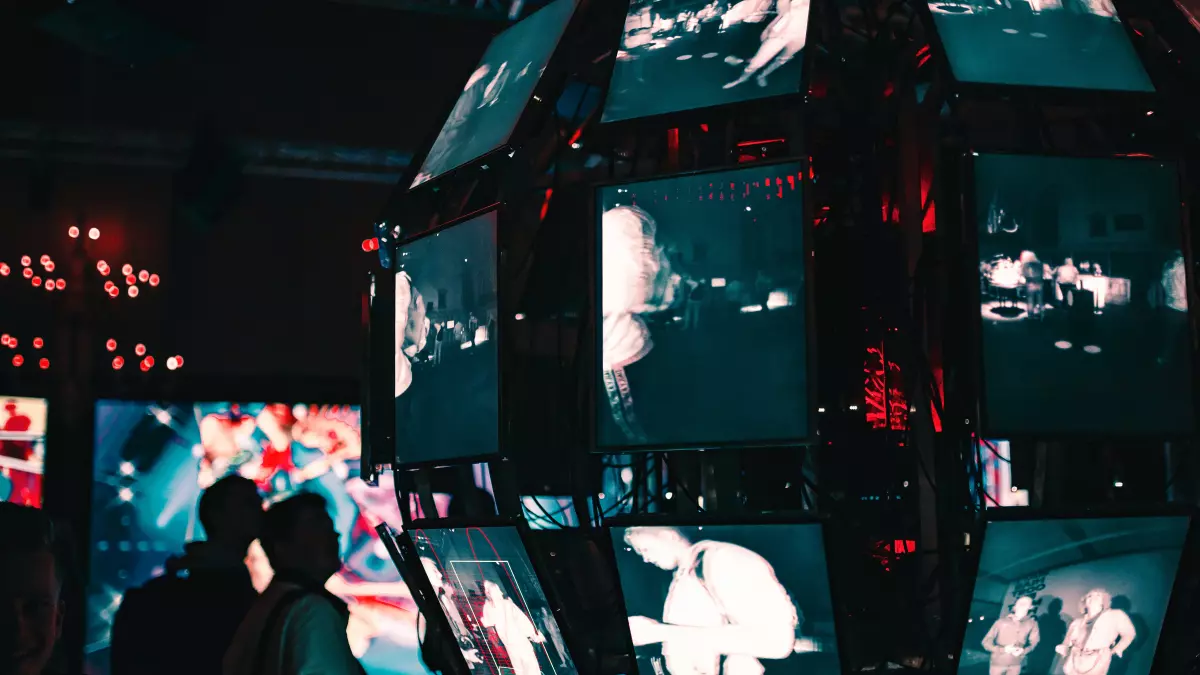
point(982, 91)
point(968, 278)
point(1019, 514)
point(593, 378)
point(540, 103)
point(706, 519)
point(419, 583)
point(496, 208)
point(662, 121)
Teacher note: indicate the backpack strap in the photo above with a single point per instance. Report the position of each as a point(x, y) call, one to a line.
point(267, 633)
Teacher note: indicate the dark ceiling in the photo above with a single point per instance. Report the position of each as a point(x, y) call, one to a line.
point(310, 71)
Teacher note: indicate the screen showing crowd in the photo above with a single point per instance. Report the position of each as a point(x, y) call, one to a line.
point(702, 307)
point(498, 91)
point(488, 592)
point(685, 56)
point(447, 359)
point(152, 462)
point(1072, 44)
point(22, 450)
point(1084, 295)
point(727, 599)
point(1077, 597)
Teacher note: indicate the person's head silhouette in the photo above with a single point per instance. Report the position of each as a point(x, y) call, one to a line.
point(31, 578)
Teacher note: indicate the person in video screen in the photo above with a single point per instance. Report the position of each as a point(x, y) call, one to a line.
point(515, 629)
point(725, 609)
point(1095, 638)
point(446, 598)
point(1011, 639)
point(782, 40)
point(412, 330)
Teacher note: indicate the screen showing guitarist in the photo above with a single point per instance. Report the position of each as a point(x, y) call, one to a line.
point(725, 612)
point(1095, 638)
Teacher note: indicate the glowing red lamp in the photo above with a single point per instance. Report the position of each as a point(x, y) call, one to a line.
point(143, 276)
point(18, 361)
point(130, 280)
point(45, 259)
point(60, 284)
point(118, 363)
point(44, 364)
point(49, 266)
point(27, 273)
point(94, 233)
point(111, 345)
point(154, 279)
point(37, 281)
point(114, 292)
point(133, 291)
point(73, 232)
point(38, 343)
point(4, 269)
point(26, 261)
point(126, 269)
point(139, 349)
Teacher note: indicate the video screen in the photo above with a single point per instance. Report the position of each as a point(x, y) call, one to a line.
point(1071, 44)
point(702, 307)
point(1079, 597)
point(497, 93)
point(684, 56)
point(767, 585)
point(154, 459)
point(447, 358)
point(1084, 296)
point(491, 597)
point(22, 450)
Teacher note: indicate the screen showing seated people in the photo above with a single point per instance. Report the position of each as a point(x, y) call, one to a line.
point(727, 598)
point(1073, 597)
point(490, 595)
point(497, 93)
point(153, 460)
point(1070, 44)
point(447, 359)
point(1084, 296)
point(684, 56)
point(22, 450)
point(702, 308)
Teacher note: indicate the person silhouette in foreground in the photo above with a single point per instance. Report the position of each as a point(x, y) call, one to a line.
point(31, 579)
point(296, 627)
point(182, 622)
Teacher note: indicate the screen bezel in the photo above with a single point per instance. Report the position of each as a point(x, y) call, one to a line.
point(718, 110)
point(706, 519)
point(970, 281)
point(594, 376)
point(496, 208)
point(540, 100)
point(1024, 513)
point(524, 534)
point(983, 91)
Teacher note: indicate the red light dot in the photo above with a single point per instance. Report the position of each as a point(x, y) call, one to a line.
point(38, 343)
point(179, 360)
point(108, 286)
point(148, 361)
point(18, 360)
point(4, 340)
point(133, 291)
point(111, 345)
point(27, 273)
point(126, 269)
point(12, 343)
point(73, 232)
point(114, 292)
point(94, 234)
point(44, 364)
point(37, 281)
point(26, 261)
point(118, 363)
point(143, 276)
point(4, 269)
point(45, 259)
point(140, 349)
point(49, 284)
point(50, 266)
point(172, 363)
point(102, 267)
point(60, 284)
point(130, 279)
point(153, 279)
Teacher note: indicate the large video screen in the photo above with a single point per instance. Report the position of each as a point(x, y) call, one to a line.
point(22, 450)
point(1080, 597)
point(697, 55)
point(1084, 296)
point(767, 586)
point(702, 308)
point(152, 462)
point(1072, 44)
point(497, 93)
point(447, 359)
point(490, 595)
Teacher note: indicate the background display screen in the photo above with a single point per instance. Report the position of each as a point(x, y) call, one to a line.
point(702, 303)
point(153, 461)
point(22, 449)
point(769, 580)
point(498, 91)
point(1084, 295)
point(1074, 44)
point(683, 58)
point(1095, 590)
point(491, 597)
point(447, 360)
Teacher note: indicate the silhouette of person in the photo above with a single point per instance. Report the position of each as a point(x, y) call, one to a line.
point(1052, 629)
point(32, 569)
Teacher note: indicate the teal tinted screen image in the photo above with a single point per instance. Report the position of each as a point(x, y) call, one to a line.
point(1070, 44)
point(497, 93)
